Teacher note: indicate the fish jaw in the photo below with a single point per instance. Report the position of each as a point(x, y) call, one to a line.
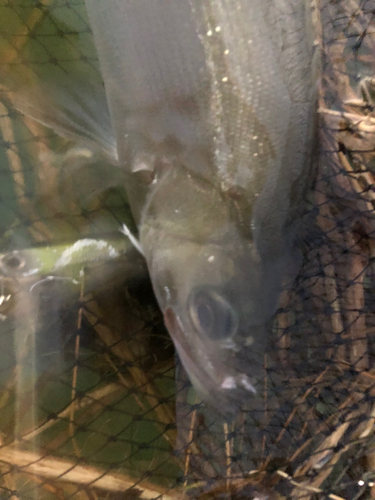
point(220, 384)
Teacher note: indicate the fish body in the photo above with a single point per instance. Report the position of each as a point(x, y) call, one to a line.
point(212, 104)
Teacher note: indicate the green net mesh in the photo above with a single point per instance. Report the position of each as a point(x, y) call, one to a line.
point(93, 402)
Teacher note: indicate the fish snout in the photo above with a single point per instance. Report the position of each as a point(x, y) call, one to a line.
point(224, 376)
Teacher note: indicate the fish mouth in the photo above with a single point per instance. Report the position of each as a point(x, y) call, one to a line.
point(222, 386)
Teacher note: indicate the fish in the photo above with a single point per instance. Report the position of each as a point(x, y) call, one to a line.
point(213, 103)
point(212, 106)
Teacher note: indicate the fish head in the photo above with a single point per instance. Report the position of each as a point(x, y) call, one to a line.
point(216, 305)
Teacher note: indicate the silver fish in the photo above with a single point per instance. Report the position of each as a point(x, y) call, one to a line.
point(212, 104)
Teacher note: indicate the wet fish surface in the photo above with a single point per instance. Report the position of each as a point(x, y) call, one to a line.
point(212, 105)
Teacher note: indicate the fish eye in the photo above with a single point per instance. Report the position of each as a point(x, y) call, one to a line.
point(212, 315)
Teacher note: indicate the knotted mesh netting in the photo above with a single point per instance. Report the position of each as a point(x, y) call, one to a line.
point(93, 402)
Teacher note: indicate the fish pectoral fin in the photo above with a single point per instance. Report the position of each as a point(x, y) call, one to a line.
point(136, 243)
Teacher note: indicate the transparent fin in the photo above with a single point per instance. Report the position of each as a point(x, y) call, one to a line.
point(73, 108)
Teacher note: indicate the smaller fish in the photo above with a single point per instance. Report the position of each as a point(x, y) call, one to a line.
point(65, 259)
point(30, 267)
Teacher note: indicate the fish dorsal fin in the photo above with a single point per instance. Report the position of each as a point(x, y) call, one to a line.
point(74, 108)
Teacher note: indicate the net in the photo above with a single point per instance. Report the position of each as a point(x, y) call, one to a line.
point(93, 403)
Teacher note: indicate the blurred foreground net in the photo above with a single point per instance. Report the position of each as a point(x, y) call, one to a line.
point(91, 403)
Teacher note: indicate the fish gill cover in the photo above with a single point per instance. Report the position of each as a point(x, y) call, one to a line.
point(93, 402)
